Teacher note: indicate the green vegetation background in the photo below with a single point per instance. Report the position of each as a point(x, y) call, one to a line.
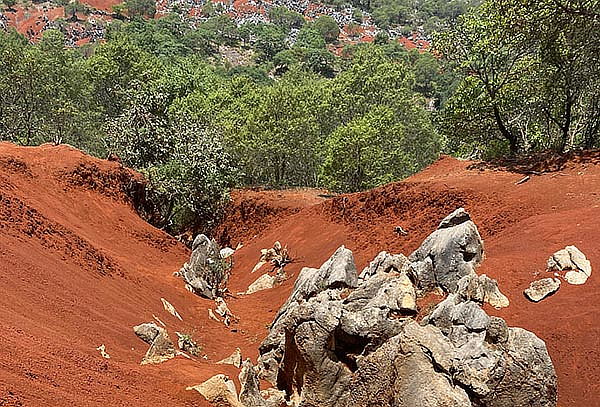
point(505, 77)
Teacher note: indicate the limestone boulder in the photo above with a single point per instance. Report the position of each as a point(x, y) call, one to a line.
point(161, 349)
point(482, 289)
point(147, 332)
point(264, 282)
point(219, 390)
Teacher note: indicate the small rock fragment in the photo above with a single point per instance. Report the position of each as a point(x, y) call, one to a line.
point(187, 344)
point(212, 315)
point(147, 332)
point(226, 252)
point(400, 231)
point(161, 349)
point(171, 309)
point(102, 350)
point(540, 289)
point(575, 277)
point(570, 259)
point(219, 390)
point(159, 321)
point(234, 359)
point(264, 282)
point(223, 310)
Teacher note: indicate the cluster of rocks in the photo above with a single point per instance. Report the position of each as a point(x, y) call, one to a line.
point(221, 391)
point(344, 339)
point(278, 257)
point(568, 263)
point(349, 339)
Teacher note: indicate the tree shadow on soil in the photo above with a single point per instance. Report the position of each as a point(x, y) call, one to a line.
point(539, 163)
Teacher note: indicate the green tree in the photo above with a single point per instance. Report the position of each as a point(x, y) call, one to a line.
point(269, 40)
point(9, 4)
point(310, 37)
point(43, 92)
point(529, 76)
point(140, 8)
point(328, 28)
point(284, 17)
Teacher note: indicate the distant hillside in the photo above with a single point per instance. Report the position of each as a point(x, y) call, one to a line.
point(358, 21)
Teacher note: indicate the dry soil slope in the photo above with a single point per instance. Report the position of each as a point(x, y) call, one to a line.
point(78, 268)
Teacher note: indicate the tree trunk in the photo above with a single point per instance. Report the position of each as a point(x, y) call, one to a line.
point(567, 126)
point(512, 140)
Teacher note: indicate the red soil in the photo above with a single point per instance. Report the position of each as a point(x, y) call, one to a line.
point(78, 268)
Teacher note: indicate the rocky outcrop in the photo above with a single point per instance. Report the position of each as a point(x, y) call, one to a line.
point(250, 394)
point(206, 271)
point(540, 289)
point(450, 253)
point(343, 341)
point(220, 390)
point(147, 332)
point(481, 289)
point(570, 259)
point(234, 359)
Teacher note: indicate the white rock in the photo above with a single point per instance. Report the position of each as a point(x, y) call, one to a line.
point(579, 260)
point(171, 309)
point(212, 315)
point(570, 259)
point(264, 282)
point(234, 359)
point(576, 277)
point(219, 389)
point(540, 289)
point(226, 252)
point(102, 350)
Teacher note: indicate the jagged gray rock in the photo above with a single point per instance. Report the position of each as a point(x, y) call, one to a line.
point(384, 263)
point(204, 273)
point(453, 251)
point(540, 289)
point(405, 372)
point(341, 341)
point(250, 393)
